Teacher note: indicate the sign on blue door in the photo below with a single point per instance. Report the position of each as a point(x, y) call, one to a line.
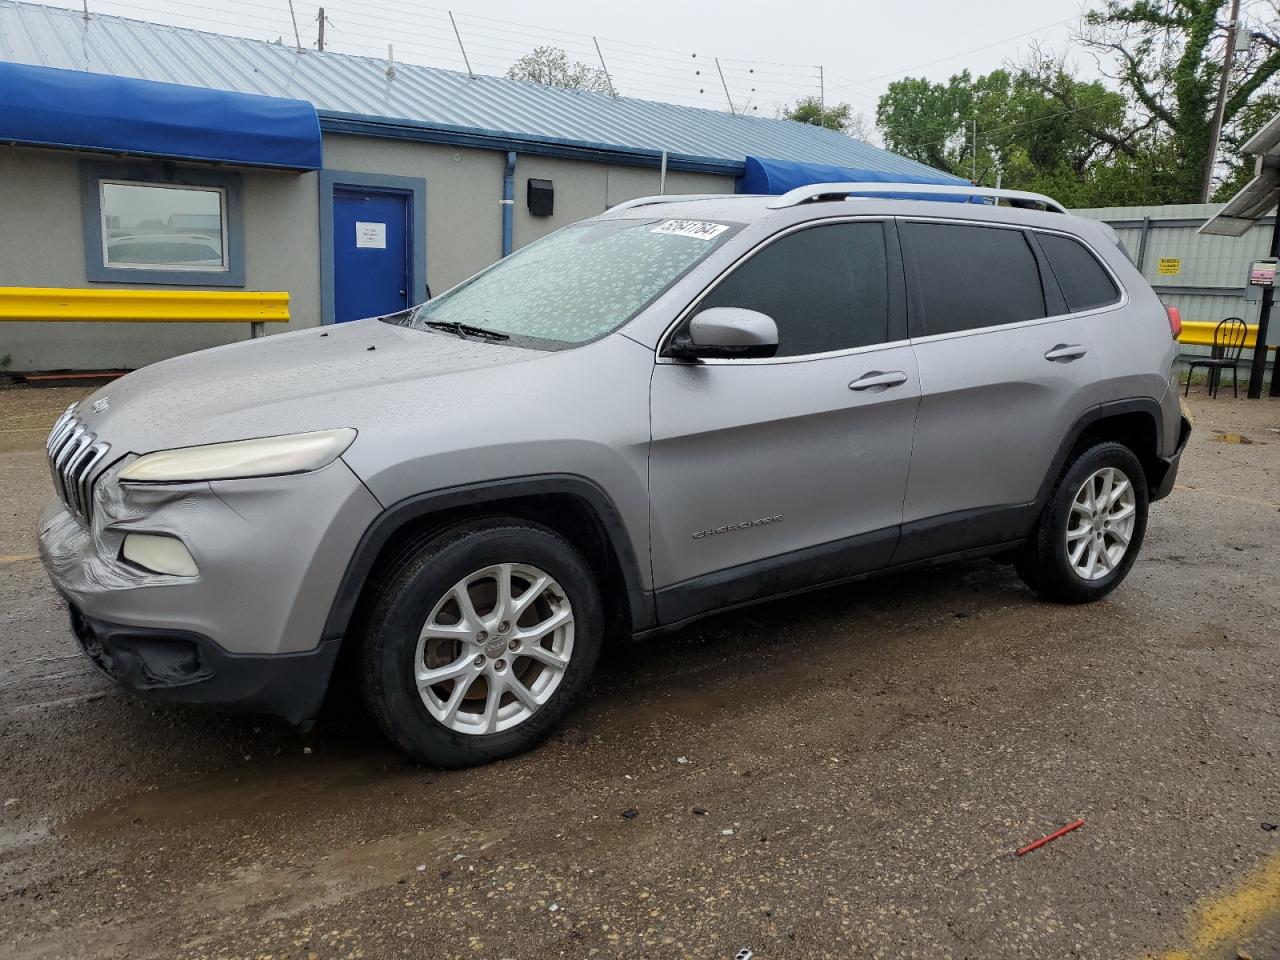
point(371, 250)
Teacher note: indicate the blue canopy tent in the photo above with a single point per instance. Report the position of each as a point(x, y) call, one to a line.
point(774, 177)
point(48, 107)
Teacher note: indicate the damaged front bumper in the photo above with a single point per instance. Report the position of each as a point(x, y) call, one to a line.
point(189, 668)
point(245, 632)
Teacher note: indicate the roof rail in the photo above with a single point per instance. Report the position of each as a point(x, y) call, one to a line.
point(821, 191)
point(665, 198)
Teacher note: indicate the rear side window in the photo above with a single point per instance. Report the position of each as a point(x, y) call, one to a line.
point(825, 287)
point(970, 277)
point(1084, 282)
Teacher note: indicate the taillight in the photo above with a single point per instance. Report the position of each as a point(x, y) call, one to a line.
point(1175, 321)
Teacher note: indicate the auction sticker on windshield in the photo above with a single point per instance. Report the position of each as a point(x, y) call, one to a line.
point(698, 229)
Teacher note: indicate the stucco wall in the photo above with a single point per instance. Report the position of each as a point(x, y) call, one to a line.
point(464, 187)
point(42, 243)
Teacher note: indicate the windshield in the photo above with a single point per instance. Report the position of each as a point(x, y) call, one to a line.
point(579, 283)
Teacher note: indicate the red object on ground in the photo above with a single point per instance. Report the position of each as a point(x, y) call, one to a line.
point(1037, 844)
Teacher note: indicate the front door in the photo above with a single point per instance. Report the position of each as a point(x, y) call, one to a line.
point(371, 250)
point(773, 475)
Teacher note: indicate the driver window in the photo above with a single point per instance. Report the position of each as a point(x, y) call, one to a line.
point(826, 287)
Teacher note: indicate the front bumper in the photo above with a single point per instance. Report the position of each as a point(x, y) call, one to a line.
point(185, 667)
point(1162, 485)
point(269, 552)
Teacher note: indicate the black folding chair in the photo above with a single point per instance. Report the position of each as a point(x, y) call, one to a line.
point(1228, 342)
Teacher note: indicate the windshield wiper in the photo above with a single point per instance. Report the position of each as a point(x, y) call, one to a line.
point(466, 329)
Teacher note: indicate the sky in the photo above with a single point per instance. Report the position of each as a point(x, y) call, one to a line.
point(664, 49)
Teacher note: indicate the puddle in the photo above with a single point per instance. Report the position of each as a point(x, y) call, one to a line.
point(296, 786)
point(11, 840)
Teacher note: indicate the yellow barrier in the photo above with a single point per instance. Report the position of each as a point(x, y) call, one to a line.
point(1200, 333)
point(184, 306)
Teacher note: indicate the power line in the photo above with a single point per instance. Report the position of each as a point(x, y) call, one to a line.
point(953, 56)
point(1021, 123)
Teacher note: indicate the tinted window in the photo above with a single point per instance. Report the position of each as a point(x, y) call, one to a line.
point(1082, 278)
point(825, 287)
point(973, 277)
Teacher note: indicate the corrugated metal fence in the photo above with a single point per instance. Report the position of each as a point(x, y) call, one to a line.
point(1203, 276)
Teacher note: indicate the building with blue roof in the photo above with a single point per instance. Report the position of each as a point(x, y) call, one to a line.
point(141, 157)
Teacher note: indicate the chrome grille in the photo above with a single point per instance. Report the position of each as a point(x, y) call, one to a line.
point(74, 452)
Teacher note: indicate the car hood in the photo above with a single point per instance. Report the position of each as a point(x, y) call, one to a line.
point(360, 374)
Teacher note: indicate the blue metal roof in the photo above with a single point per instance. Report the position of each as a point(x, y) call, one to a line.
point(355, 94)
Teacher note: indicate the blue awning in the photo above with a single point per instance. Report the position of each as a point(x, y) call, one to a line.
point(46, 107)
point(774, 177)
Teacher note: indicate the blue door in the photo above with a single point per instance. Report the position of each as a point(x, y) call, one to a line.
point(371, 250)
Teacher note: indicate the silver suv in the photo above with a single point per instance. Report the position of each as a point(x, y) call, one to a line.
point(678, 407)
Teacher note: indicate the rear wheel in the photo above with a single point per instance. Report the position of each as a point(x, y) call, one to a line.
point(1091, 530)
point(479, 642)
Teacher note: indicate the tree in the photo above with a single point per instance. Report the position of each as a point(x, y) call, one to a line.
point(1024, 135)
point(838, 117)
point(550, 67)
point(1167, 57)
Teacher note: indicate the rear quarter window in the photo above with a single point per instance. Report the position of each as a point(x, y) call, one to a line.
point(1084, 282)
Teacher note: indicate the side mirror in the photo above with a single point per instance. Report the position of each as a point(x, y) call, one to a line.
point(721, 332)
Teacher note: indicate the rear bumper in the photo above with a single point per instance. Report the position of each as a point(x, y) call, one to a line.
point(185, 667)
point(1162, 485)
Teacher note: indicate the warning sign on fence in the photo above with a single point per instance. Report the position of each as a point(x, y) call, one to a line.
point(1169, 266)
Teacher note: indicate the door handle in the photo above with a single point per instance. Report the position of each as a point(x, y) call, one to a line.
point(1065, 352)
point(876, 380)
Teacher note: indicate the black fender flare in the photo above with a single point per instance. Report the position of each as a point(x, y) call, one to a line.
point(405, 511)
point(1097, 414)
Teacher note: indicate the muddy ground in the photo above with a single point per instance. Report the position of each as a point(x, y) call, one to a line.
point(845, 774)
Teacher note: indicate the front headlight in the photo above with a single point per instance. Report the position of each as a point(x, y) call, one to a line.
point(264, 457)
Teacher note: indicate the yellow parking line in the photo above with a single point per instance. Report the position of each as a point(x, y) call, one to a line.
point(18, 557)
point(1222, 920)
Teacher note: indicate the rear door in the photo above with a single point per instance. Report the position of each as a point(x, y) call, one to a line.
point(1005, 372)
point(771, 475)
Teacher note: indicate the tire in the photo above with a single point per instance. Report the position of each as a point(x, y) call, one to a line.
point(417, 629)
point(1071, 558)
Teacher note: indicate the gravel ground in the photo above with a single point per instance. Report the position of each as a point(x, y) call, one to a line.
point(844, 774)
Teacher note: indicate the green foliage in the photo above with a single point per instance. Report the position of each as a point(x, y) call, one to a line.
point(1042, 128)
point(1064, 144)
point(836, 117)
point(1168, 59)
point(550, 67)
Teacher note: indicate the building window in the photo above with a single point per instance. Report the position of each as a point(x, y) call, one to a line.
point(162, 225)
point(145, 226)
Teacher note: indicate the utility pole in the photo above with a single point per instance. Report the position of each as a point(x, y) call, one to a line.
point(822, 91)
point(465, 58)
point(974, 177)
point(1220, 109)
point(86, 11)
point(297, 39)
point(726, 87)
point(320, 35)
point(605, 67)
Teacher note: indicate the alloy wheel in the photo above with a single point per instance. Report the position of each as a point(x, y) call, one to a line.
point(1101, 523)
point(494, 649)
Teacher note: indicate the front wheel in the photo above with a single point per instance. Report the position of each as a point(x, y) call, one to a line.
point(1091, 529)
point(479, 642)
